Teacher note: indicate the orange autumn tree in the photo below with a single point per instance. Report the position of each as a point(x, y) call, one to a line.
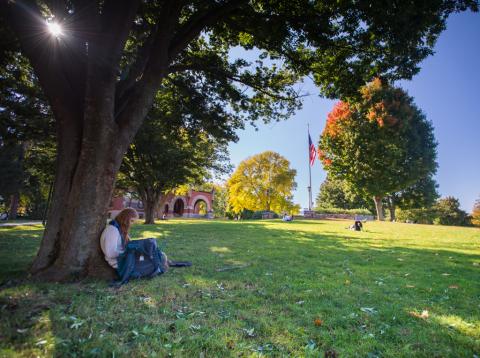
point(379, 143)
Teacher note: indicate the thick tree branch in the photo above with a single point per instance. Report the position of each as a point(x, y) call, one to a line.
point(167, 44)
point(134, 108)
point(192, 28)
point(116, 21)
point(134, 71)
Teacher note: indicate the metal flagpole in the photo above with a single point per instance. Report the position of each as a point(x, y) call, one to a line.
point(309, 172)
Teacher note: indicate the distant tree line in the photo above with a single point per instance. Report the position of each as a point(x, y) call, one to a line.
point(419, 204)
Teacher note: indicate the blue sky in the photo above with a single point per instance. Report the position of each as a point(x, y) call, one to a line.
point(447, 89)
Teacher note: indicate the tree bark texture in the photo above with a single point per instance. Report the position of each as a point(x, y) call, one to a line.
point(150, 203)
point(379, 207)
point(391, 209)
point(13, 210)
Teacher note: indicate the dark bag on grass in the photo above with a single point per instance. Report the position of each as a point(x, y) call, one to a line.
point(141, 258)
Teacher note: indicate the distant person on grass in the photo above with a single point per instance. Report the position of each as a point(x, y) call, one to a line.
point(132, 259)
point(357, 226)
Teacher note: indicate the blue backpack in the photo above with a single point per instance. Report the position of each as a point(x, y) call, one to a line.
point(141, 258)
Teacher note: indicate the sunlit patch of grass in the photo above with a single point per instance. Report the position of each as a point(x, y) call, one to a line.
point(199, 282)
point(152, 234)
point(219, 249)
point(471, 329)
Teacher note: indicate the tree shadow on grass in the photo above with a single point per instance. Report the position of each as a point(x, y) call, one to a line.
point(277, 280)
point(17, 250)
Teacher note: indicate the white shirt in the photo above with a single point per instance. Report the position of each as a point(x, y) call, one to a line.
point(111, 244)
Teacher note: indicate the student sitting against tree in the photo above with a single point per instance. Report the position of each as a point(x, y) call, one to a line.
point(131, 259)
point(116, 235)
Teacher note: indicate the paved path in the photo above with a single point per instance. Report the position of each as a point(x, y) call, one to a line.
point(20, 223)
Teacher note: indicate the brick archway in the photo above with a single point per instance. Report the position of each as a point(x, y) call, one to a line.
point(199, 206)
point(200, 196)
point(178, 206)
point(167, 207)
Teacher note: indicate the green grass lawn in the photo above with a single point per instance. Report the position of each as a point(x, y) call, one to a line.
point(306, 288)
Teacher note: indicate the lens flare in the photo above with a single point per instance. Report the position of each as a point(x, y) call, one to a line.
point(55, 29)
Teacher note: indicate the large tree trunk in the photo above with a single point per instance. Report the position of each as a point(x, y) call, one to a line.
point(391, 209)
point(68, 149)
point(70, 247)
point(379, 207)
point(13, 210)
point(150, 204)
point(89, 157)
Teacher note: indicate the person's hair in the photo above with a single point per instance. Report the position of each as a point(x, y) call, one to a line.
point(123, 219)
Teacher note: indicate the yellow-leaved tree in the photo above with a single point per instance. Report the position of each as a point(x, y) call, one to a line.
point(476, 213)
point(263, 182)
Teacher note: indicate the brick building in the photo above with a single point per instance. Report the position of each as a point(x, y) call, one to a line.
point(196, 204)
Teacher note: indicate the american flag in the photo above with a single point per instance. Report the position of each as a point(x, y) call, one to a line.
point(312, 151)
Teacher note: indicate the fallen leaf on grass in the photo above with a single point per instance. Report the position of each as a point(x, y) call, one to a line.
point(196, 313)
point(265, 348)
point(230, 345)
point(195, 327)
point(318, 322)
point(423, 315)
point(228, 268)
point(311, 344)
point(250, 332)
point(77, 324)
point(369, 310)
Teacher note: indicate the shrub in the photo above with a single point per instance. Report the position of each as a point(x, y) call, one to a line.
point(246, 214)
point(343, 211)
point(257, 215)
point(230, 215)
point(449, 212)
point(418, 216)
point(446, 211)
